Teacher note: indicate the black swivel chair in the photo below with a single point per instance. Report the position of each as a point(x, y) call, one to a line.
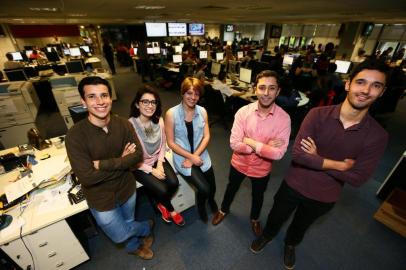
point(216, 107)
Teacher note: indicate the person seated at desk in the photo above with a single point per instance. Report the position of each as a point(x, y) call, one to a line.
point(11, 64)
point(37, 55)
point(221, 85)
point(102, 149)
point(155, 173)
point(200, 71)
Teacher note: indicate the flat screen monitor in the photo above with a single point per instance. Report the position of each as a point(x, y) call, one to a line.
point(17, 56)
point(245, 75)
point(52, 56)
point(232, 66)
point(343, 66)
point(85, 48)
point(75, 51)
point(150, 50)
point(177, 58)
point(203, 54)
point(156, 50)
point(28, 53)
point(178, 49)
point(288, 59)
point(196, 29)
point(74, 66)
point(240, 55)
point(15, 75)
point(77, 113)
point(156, 29)
point(215, 68)
point(66, 52)
point(135, 51)
point(177, 29)
point(49, 49)
point(219, 56)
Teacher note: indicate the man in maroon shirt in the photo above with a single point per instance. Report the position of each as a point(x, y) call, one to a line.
point(335, 145)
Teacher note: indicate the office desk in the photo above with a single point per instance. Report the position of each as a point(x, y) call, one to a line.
point(44, 229)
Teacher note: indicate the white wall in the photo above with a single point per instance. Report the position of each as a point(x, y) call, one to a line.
point(251, 31)
point(212, 30)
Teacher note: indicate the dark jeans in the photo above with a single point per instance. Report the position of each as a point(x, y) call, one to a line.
point(161, 190)
point(258, 184)
point(286, 201)
point(205, 185)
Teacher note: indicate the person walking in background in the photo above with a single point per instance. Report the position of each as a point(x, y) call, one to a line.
point(109, 55)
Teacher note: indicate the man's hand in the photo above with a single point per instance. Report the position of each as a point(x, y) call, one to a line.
point(345, 165)
point(158, 173)
point(128, 149)
point(96, 164)
point(348, 164)
point(309, 146)
point(196, 160)
point(250, 142)
point(187, 163)
point(277, 143)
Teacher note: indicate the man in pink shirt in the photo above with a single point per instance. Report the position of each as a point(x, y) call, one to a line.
point(260, 134)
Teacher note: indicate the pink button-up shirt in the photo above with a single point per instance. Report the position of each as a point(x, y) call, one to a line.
point(248, 123)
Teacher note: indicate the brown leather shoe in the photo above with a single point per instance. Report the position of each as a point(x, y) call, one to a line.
point(256, 227)
point(148, 241)
point(144, 253)
point(218, 218)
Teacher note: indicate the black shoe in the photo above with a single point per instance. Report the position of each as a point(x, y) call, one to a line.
point(213, 206)
point(289, 257)
point(203, 214)
point(258, 244)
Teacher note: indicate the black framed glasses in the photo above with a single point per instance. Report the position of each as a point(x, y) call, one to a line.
point(147, 102)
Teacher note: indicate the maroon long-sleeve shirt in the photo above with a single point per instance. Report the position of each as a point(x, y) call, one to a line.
point(364, 142)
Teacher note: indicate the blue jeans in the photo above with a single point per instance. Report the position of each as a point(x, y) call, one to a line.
point(120, 226)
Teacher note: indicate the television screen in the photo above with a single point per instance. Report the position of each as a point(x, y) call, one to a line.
point(203, 54)
point(229, 28)
point(240, 55)
point(245, 75)
point(150, 50)
point(219, 56)
point(215, 68)
point(75, 51)
point(196, 29)
point(367, 30)
point(288, 59)
point(85, 48)
point(156, 29)
point(177, 29)
point(17, 56)
point(342, 66)
point(177, 58)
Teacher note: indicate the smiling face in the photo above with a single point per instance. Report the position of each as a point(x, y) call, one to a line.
point(366, 87)
point(147, 105)
point(267, 89)
point(98, 102)
point(190, 97)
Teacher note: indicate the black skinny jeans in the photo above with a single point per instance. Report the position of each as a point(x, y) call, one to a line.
point(205, 185)
point(287, 200)
point(161, 190)
point(258, 188)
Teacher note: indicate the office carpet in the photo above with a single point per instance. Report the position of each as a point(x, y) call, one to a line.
point(348, 238)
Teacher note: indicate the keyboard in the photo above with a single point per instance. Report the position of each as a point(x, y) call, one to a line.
point(239, 88)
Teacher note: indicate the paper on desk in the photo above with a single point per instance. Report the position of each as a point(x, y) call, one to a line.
point(19, 188)
point(53, 168)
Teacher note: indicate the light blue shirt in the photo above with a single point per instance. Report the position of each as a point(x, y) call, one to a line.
point(180, 134)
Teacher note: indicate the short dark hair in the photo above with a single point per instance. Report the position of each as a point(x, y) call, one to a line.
point(92, 80)
point(371, 64)
point(9, 56)
point(267, 73)
point(146, 89)
point(222, 75)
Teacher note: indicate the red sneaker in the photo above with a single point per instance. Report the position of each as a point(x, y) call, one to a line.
point(166, 216)
point(178, 219)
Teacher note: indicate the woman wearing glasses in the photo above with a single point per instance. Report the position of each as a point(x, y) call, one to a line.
point(155, 173)
point(187, 132)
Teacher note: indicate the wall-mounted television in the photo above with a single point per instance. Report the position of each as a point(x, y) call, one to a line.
point(229, 28)
point(177, 29)
point(367, 30)
point(156, 29)
point(196, 29)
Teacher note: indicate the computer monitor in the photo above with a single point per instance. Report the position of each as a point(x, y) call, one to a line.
point(63, 81)
point(215, 68)
point(178, 49)
point(219, 56)
point(288, 59)
point(245, 75)
point(342, 66)
point(177, 58)
point(77, 113)
point(85, 48)
point(75, 51)
point(135, 51)
point(66, 51)
point(164, 51)
point(15, 75)
point(233, 66)
point(52, 56)
point(156, 50)
point(203, 54)
point(150, 50)
point(49, 49)
point(28, 53)
point(74, 66)
point(240, 55)
point(17, 56)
